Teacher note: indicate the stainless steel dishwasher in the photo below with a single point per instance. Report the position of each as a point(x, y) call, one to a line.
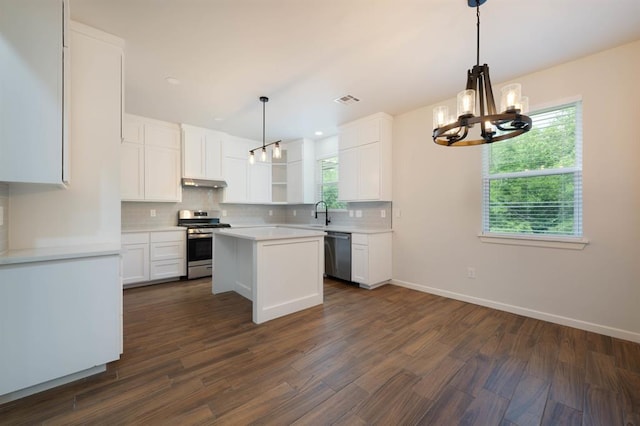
point(337, 255)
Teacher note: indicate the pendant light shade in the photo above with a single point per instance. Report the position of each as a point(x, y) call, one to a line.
point(263, 149)
point(476, 105)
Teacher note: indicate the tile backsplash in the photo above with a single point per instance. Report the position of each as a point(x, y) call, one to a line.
point(138, 214)
point(4, 217)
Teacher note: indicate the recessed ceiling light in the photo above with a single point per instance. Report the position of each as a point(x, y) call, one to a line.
point(319, 133)
point(172, 80)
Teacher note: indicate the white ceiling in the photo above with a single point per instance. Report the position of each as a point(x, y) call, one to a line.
point(394, 55)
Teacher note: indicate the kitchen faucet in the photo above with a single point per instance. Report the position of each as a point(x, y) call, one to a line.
point(326, 212)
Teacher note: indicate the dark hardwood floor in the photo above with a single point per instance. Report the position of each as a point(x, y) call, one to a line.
point(388, 356)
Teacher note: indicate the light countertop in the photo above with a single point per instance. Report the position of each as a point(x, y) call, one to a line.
point(349, 229)
point(58, 253)
point(153, 229)
point(262, 233)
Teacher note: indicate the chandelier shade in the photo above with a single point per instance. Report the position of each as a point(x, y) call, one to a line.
point(476, 106)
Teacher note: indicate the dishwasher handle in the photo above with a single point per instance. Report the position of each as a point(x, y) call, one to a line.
point(339, 237)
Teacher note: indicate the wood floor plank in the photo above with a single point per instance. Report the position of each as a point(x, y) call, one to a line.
point(388, 356)
point(528, 401)
point(449, 408)
point(573, 347)
point(473, 375)
point(505, 376)
point(254, 409)
point(627, 355)
point(543, 360)
point(486, 409)
point(630, 390)
point(390, 395)
point(437, 379)
point(567, 385)
point(557, 414)
point(297, 406)
point(601, 371)
point(601, 407)
point(333, 409)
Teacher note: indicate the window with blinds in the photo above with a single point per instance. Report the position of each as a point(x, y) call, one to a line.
point(328, 183)
point(532, 184)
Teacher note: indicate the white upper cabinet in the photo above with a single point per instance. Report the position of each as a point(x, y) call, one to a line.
point(365, 159)
point(201, 153)
point(246, 183)
point(150, 160)
point(300, 171)
point(33, 84)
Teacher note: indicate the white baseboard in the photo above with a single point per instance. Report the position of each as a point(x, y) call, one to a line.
point(544, 316)
point(8, 397)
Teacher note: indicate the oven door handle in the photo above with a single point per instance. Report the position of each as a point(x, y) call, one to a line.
point(196, 236)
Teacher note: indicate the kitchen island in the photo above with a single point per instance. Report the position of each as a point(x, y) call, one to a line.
point(279, 269)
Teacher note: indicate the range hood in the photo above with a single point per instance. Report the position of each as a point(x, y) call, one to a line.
point(204, 183)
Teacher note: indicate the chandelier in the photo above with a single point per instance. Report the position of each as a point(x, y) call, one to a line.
point(277, 153)
point(477, 98)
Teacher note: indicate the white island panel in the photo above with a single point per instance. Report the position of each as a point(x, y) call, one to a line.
point(289, 276)
point(280, 270)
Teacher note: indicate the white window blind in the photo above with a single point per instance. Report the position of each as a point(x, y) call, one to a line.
point(532, 184)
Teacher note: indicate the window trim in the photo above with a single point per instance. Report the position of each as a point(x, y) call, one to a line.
point(550, 241)
point(577, 242)
point(318, 168)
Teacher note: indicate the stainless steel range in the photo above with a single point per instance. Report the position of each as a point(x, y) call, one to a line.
point(200, 225)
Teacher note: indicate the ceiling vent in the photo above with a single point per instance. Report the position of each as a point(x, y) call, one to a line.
point(347, 100)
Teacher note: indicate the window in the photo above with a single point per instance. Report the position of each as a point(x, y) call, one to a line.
point(328, 183)
point(532, 185)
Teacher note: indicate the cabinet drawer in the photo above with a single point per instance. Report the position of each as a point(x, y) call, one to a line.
point(167, 250)
point(360, 239)
point(167, 269)
point(135, 238)
point(161, 237)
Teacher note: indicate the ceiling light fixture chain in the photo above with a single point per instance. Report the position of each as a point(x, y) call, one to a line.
point(494, 126)
point(277, 153)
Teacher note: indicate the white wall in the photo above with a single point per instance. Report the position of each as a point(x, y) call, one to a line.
point(438, 192)
point(4, 217)
point(88, 211)
point(326, 147)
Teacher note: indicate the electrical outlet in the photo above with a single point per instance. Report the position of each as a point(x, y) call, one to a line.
point(270, 212)
point(350, 213)
point(152, 212)
point(471, 273)
point(295, 213)
point(358, 213)
point(313, 214)
point(383, 213)
point(224, 213)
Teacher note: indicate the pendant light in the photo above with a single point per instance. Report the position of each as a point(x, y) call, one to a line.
point(494, 126)
point(277, 153)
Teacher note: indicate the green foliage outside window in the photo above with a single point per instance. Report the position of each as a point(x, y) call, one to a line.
point(533, 183)
point(329, 183)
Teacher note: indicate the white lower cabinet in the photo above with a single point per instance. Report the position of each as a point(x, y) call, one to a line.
point(151, 256)
point(59, 318)
point(371, 259)
point(135, 257)
point(167, 255)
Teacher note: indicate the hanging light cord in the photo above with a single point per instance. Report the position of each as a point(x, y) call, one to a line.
point(478, 33)
point(263, 105)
